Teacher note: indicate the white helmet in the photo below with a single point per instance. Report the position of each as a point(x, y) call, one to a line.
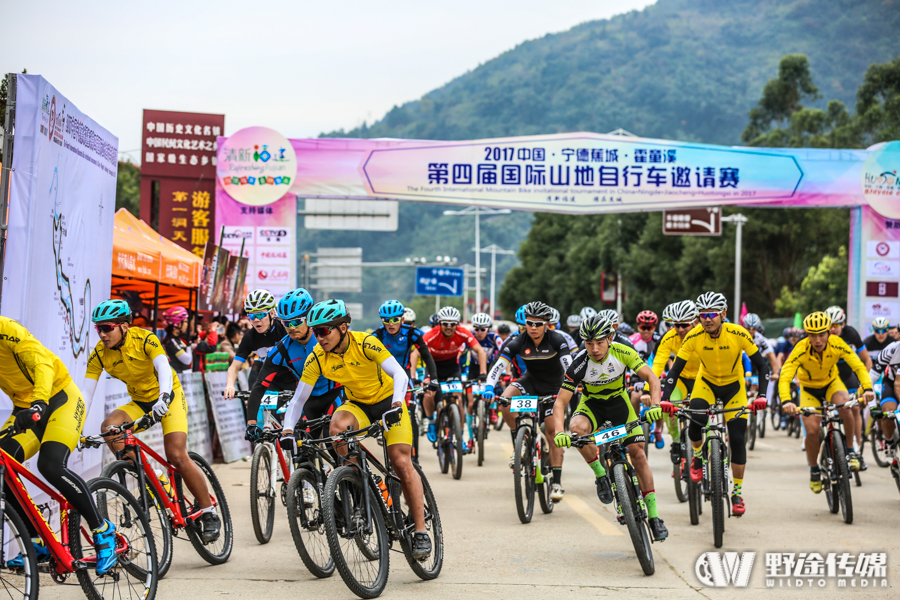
point(611, 315)
point(482, 320)
point(683, 312)
point(448, 313)
point(573, 321)
point(711, 301)
point(554, 316)
point(586, 313)
point(259, 301)
point(409, 315)
point(837, 314)
point(667, 313)
point(880, 323)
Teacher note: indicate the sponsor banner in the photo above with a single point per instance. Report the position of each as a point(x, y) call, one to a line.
point(274, 236)
point(883, 308)
point(180, 144)
point(229, 416)
point(882, 249)
point(61, 203)
point(880, 179)
point(267, 255)
point(883, 268)
point(256, 166)
point(882, 289)
point(874, 268)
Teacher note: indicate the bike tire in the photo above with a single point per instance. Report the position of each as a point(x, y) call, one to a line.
point(545, 488)
point(306, 521)
point(523, 478)
point(648, 430)
point(262, 499)
point(17, 540)
point(751, 426)
point(832, 493)
point(896, 475)
point(480, 430)
point(125, 473)
point(717, 491)
point(345, 485)
point(762, 426)
point(637, 528)
point(136, 571)
point(682, 478)
point(843, 473)
point(414, 423)
point(432, 568)
point(456, 442)
point(498, 425)
point(775, 415)
point(219, 550)
point(443, 427)
point(879, 448)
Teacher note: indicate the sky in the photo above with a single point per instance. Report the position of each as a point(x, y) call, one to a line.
point(302, 68)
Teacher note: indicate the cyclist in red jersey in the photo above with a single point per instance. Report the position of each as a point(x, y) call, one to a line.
point(446, 342)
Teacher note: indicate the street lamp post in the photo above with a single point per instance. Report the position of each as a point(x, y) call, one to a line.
point(739, 220)
point(494, 249)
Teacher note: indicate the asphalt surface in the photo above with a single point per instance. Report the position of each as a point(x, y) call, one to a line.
point(578, 549)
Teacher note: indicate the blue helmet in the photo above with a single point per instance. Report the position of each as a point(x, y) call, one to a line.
point(295, 304)
point(330, 312)
point(390, 309)
point(520, 315)
point(111, 310)
point(433, 320)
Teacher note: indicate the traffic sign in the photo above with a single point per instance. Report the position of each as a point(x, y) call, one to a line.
point(693, 221)
point(439, 281)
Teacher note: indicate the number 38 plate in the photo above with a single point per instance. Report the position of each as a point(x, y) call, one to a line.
point(608, 435)
point(523, 403)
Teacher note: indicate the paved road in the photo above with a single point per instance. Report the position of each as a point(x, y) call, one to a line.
point(579, 549)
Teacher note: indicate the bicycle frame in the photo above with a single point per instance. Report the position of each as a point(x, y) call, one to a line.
point(534, 421)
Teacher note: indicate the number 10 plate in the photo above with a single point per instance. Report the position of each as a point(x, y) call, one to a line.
point(523, 403)
point(451, 387)
point(608, 435)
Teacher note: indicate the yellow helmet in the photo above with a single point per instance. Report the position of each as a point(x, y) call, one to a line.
point(817, 322)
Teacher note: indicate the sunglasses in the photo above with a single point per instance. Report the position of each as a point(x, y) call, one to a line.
point(481, 329)
point(392, 320)
point(881, 330)
point(448, 324)
point(292, 323)
point(105, 328)
point(645, 328)
point(258, 316)
point(709, 315)
point(682, 325)
point(321, 332)
point(535, 323)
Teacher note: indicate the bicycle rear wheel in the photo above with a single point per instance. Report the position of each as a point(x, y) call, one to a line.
point(307, 525)
point(751, 427)
point(879, 446)
point(217, 551)
point(761, 425)
point(544, 488)
point(681, 477)
point(523, 476)
point(480, 429)
point(23, 582)
point(262, 495)
point(717, 490)
point(346, 527)
point(842, 469)
point(429, 568)
point(637, 528)
point(455, 453)
point(443, 434)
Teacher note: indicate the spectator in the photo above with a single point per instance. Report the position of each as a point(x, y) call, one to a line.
point(231, 341)
point(894, 333)
point(244, 324)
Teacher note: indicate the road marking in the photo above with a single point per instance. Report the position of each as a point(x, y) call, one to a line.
point(587, 513)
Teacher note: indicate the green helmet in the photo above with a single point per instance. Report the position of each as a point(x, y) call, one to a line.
point(111, 310)
point(598, 327)
point(328, 312)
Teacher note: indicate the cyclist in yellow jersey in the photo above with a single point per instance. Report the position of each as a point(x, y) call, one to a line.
point(814, 360)
point(136, 357)
point(719, 347)
point(683, 317)
point(375, 386)
point(48, 415)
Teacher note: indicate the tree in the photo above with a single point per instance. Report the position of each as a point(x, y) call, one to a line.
point(128, 188)
point(825, 285)
point(4, 93)
point(878, 102)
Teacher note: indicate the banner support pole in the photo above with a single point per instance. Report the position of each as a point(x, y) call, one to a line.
point(8, 139)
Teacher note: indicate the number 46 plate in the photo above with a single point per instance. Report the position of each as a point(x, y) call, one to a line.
point(523, 404)
point(608, 435)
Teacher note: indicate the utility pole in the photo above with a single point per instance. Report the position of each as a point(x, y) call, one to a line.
point(739, 220)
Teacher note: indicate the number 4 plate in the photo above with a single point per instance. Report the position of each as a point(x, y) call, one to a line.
point(523, 403)
point(608, 435)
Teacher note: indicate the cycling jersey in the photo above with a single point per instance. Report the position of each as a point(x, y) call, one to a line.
point(444, 348)
point(784, 348)
point(646, 348)
point(852, 338)
point(818, 372)
point(132, 363)
point(875, 347)
point(888, 358)
point(573, 347)
point(491, 345)
point(259, 343)
point(175, 348)
point(400, 346)
point(546, 361)
point(363, 382)
point(720, 357)
point(605, 379)
point(762, 343)
point(668, 347)
point(28, 371)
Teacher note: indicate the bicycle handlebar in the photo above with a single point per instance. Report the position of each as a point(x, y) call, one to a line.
point(579, 441)
point(504, 401)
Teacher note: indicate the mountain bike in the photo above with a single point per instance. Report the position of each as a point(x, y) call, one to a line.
point(414, 403)
point(630, 508)
point(753, 421)
point(363, 511)
point(895, 469)
point(531, 454)
point(681, 469)
point(164, 499)
point(135, 571)
point(833, 460)
point(481, 422)
point(448, 426)
point(877, 441)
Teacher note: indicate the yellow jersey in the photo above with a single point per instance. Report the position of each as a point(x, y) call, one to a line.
point(818, 371)
point(720, 358)
point(28, 371)
point(358, 369)
point(669, 345)
point(132, 363)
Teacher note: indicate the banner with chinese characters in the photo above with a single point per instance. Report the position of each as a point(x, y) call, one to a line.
point(578, 173)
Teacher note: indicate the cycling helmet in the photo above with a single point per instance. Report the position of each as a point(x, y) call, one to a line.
point(259, 301)
point(482, 320)
point(752, 320)
point(554, 316)
point(817, 322)
point(787, 332)
point(433, 320)
point(409, 315)
point(711, 301)
point(328, 312)
point(586, 313)
point(880, 323)
point(390, 309)
point(625, 329)
point(684, 311)
point(573, 321)
point(295, 304)
point(504, 328)
point(761, 328)
point(611, 315)
point(176, 315)
point(598, 327)
point(448, 313)
point(520, 315)
point(538, 310)
point(112, 310)
point(667, 313)
point(647, 317)
point(836, 314)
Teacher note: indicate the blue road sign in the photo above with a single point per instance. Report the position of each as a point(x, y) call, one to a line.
point(439, 281)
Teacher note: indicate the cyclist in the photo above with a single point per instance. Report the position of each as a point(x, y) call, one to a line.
point(851, 336)
point(265, 333)
point(814, 360)
point(573, 323)
point(888, 365)
point(491, 342)
point(446, 342)
point(684, 318)
point(554, 326)
point(503, 331)
point(600, 369)
point(879, 340)
point(402, 340)
point(375, 386)
point(48, 415)
point(179, 350)
point(645, 341)
point(546, 352)
point(136, 356)
point(409, 317)
point(284, 365)
point(718, 345)
point(753, 325)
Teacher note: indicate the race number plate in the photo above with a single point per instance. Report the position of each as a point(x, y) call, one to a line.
point(523, 403)
point(452, 387)
point(608, 435)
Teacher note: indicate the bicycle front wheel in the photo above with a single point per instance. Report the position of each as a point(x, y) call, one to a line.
point(218, 550)
point(349, 531)
point(842, 469)
point(22, 582)
point(429, 568)
point(480, 429)
point(456, 442)
point(443, 439)
point(523, 474)
point(751, 427)
point(717, 489)
point(681, 469)
point(879, 447)
point(307, 525)
point(546, 487)
point(262, 494)
point(637, 528)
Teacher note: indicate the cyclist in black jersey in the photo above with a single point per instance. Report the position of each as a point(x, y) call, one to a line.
point(546, 353)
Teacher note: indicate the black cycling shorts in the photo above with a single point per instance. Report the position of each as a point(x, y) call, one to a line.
point(448, 369)
point(531, 386)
